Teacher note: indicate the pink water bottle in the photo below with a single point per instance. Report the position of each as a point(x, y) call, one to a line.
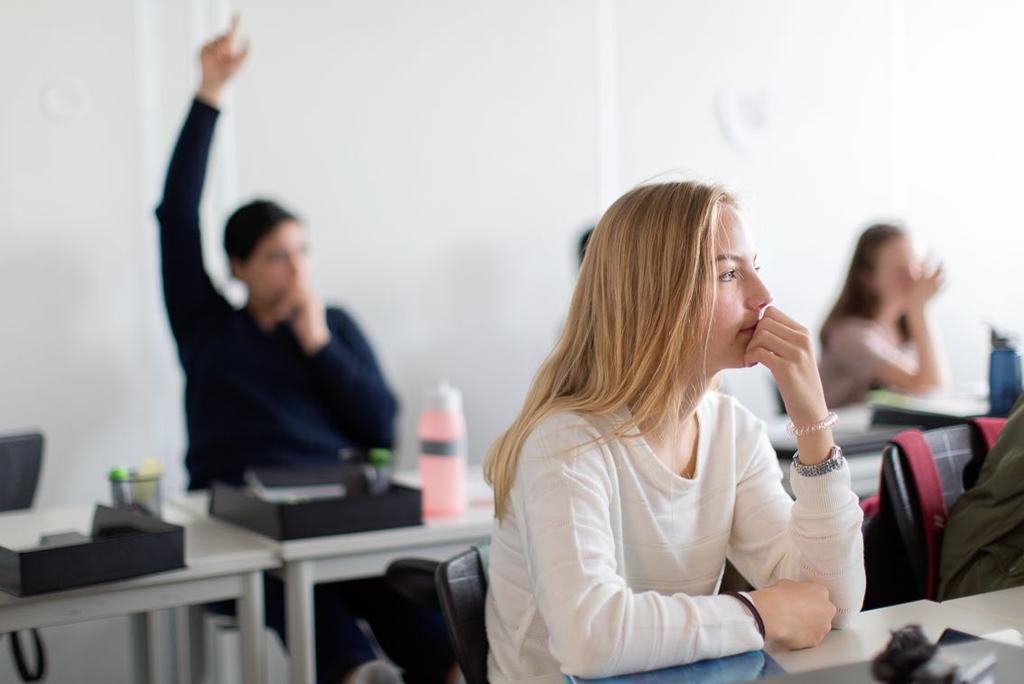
point(442, 435)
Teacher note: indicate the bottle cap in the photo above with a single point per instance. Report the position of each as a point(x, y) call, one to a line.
point(1000, 340)
point(380, 457)
point(118, 474)
point(445, 398)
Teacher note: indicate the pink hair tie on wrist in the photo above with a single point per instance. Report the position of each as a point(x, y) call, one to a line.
point(824, 424)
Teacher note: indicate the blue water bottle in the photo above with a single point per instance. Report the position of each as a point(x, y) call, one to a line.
point(1004, 379)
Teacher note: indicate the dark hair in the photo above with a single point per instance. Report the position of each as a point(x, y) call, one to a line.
point(857, 299)
point(250, 223)
point(581, 248)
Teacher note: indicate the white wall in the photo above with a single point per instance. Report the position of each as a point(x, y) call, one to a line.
point(445, 156)
point(964, 150)
point(75, 284)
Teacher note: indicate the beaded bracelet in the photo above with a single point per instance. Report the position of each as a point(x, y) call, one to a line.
point(824, 424)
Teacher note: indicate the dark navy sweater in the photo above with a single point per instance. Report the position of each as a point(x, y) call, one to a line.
point(254, 397)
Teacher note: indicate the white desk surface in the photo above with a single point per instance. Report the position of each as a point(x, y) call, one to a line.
point(869, 633)
point(1008, 604)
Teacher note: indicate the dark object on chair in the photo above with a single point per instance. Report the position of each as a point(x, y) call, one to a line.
point(413, 578)
point(462, 588)
point(923, 475)
point(21, 458)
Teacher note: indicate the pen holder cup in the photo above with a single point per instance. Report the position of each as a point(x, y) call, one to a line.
point(137, 492)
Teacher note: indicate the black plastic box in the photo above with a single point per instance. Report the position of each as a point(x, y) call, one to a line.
point(397, 507)
point(123, 544)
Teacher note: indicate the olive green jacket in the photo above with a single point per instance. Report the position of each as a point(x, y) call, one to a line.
point(983, 544)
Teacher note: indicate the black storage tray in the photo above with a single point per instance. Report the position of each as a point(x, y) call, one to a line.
point(397, 507)
point(123, 544)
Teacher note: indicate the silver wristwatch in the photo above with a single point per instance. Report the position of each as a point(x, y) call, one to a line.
point(834, 461)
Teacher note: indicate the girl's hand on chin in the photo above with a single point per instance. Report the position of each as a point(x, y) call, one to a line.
point(786, 349)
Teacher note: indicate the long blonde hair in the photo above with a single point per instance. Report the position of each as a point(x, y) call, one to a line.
point(639, 324)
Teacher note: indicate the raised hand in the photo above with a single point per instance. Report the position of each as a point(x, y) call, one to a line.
point(220, 59)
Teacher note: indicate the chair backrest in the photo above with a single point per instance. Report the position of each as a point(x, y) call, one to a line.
point(21, 457)
point(923, 475)
point(414, 578)
point(462, 588)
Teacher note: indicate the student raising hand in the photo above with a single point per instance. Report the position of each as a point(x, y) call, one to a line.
point(220, 59)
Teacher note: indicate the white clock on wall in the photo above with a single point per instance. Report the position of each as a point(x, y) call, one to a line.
point(743, 115)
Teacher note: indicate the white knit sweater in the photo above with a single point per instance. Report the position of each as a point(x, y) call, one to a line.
point(607, 562)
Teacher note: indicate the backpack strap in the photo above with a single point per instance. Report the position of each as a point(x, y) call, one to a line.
point(871, 505)
point(989, 429)
point(914, 448)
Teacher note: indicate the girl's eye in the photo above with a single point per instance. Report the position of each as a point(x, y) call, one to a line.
point(728, 276)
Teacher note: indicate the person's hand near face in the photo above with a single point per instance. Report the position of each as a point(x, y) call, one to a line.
point(925, 285)
point(786, 349)
point(309, 319)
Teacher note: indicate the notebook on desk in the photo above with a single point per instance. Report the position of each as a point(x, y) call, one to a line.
point(743, 667)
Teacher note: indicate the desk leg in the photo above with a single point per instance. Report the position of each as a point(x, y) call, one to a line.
point(298, 577)
point(250, 619)
point(138, 624)
point(196, 637)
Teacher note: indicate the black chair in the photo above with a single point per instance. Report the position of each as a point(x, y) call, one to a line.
point(21, 458)
point(895, 546)
point(462, 588)
point(413, 578)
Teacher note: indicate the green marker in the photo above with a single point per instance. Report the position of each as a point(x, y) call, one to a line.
point(380, 457)
point(378, 476)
